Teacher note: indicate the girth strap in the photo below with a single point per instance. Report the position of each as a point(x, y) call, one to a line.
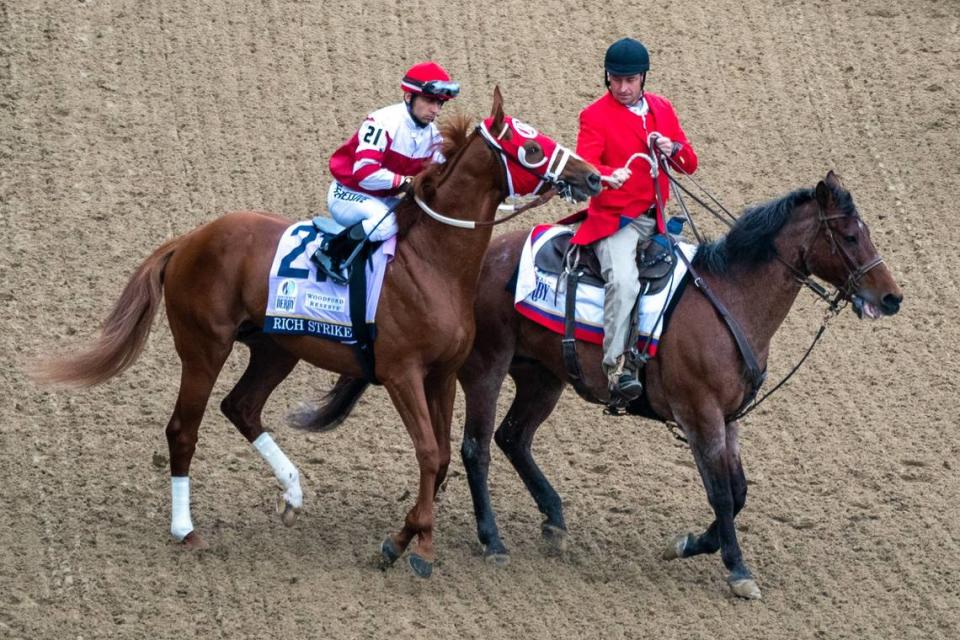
point(358, 314)
point(568, 345)
point(755, 374)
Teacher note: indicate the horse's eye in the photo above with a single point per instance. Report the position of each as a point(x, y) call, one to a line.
point(850, 239)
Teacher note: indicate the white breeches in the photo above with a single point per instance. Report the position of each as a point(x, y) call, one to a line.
point(348, 207)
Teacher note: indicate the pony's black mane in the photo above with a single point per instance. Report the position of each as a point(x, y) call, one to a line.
point(456, 133)
point(750, 243)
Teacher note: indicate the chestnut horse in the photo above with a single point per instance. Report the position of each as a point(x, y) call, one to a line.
point(215, 280)
point(698, 377)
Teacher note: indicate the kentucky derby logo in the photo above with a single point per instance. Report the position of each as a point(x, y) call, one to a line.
point(288, 288)
point(286, 295)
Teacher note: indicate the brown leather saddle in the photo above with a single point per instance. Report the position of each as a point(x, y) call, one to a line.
point(655, 261)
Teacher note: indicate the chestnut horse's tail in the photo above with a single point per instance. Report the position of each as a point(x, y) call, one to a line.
point(335, 407)
point(123, 334)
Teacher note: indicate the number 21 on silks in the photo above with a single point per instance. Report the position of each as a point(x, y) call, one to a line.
point(371, 135)
point(309, 232)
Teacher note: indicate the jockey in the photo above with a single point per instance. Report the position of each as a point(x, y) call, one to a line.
point(624, 121)
point(375, 167)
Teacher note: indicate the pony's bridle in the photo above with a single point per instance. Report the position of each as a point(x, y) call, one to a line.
point(855, 272)
point(554, 166)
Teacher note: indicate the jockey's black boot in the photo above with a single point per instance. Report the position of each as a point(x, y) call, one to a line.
point(334, 250)
point(340, 246)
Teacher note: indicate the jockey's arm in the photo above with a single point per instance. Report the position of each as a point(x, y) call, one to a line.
point(373, 140)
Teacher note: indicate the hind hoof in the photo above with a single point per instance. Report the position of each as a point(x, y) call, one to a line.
point(676, 548)
point(497, 558)
point(745, 588)
point(389, 553)
point(288, 513)
point(193, 542)
point(422, 567)
point(554, 538)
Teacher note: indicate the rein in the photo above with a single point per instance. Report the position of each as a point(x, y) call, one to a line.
point(555, 166)
point(472, 224)
point(836, 302)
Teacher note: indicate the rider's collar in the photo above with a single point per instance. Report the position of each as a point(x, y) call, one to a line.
point(640, 107)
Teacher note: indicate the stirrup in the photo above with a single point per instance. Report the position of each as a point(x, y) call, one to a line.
point(329, 267)
point(624, 390)
point(335, 250)
point(628, 386)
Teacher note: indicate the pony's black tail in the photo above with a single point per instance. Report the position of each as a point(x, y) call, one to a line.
point(334, 408)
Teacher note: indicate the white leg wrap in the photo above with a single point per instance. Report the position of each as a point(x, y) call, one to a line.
point(180, 523)
point(283, 469)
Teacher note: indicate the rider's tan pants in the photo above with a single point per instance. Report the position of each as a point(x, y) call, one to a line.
point(618, 265)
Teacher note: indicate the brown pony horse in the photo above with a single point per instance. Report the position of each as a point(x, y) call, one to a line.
point(697, 379)
point(215, 282)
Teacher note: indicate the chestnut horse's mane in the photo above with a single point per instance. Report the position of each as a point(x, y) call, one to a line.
point(750, 243)
point(456, 133)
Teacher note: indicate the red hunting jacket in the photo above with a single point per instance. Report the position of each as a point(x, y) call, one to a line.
point(609, 134)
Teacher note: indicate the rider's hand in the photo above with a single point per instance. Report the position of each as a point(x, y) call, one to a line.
point(665, 145)
point(618, 177)
point(406, 185)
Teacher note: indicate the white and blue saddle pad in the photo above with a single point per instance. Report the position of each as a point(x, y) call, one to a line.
point(541, 296)
point(300, 303)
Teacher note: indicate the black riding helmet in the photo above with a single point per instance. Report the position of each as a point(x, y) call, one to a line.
point(625, 57)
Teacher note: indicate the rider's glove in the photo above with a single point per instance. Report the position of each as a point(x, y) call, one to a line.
point(618, 177)
point(406, 185)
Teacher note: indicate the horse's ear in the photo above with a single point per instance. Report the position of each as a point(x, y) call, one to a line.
point(824, 194)
point(826, 188)
point(497, 111)
point(833, 180)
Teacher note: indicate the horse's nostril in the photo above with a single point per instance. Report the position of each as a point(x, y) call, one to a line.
point(892, 302)
point(594, 181)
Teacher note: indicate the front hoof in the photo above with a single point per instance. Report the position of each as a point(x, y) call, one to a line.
point(496, 558)
point(677, 547)
point(193, 542)
point(745, 588)
point(420, 565)
point(389, 553)
point(288, 513)
point(554, 538)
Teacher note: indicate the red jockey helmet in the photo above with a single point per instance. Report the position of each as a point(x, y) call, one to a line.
point(429, 79)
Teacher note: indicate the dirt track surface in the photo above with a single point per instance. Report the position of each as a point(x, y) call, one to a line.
point(125, 123)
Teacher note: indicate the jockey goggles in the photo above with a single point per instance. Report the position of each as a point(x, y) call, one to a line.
point(440, 88)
